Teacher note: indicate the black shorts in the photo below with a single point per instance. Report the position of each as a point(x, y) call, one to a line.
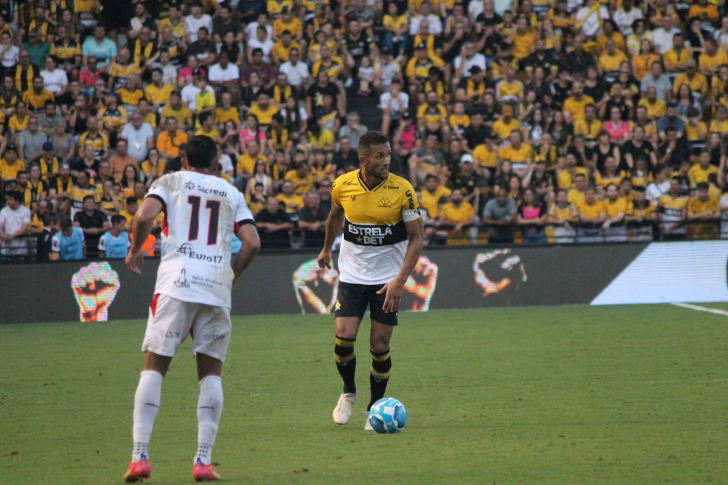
point(353, 300)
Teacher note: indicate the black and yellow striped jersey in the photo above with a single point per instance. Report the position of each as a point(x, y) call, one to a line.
point(66, 52)
point(100, 142)
point(375, 236)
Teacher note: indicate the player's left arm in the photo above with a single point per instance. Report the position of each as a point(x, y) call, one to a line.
point(246, 231)
point(394, 289)
point(141, 227)
point(415, 234)
point(251, 245)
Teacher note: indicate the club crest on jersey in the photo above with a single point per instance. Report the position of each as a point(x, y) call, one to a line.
point(188, 250)
point(385, 202)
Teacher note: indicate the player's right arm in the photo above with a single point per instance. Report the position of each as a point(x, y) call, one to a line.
point(334, 225)
point(141, 227)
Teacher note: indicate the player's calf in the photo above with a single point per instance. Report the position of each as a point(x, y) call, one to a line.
point(346, 362)
point(379, 375)
point(346, 365)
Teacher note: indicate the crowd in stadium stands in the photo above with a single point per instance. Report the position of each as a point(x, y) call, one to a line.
point(527, 121)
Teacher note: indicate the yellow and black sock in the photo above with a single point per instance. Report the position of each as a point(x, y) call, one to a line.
point(346, 362)
point(379, 377)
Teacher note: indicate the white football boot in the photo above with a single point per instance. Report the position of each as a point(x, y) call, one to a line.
point(367, 426)
point(344, 408)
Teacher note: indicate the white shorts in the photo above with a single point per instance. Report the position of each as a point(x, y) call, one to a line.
point(171, 320)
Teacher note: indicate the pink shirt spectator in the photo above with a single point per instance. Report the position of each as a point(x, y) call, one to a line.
point(618, 131)
point(185, 75)
point(246, 136)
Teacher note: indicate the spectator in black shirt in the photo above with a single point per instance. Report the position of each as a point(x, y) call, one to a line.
point(313, 221)
point(578, 61)
point(52, 226)
point(203, 48)
point(674, 151)
point(324, 191)
point(346, 158)
point(476, 133)
point(316, 92)
point(547, 60)
point(93, 222)
point(469, 182)
point(273, 225)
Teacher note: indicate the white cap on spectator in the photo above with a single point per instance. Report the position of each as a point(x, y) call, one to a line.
point(466, 158)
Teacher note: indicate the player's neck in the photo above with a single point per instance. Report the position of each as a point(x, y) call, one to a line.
point(371, 180)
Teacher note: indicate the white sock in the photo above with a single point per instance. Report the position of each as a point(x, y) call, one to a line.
point(146, 407)
point(209, 410)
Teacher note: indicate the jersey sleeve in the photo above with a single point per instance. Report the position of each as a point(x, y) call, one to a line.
point(56, 244)
point(159, 191)
point(335, 192)
point(102, 243)
point(410, 204)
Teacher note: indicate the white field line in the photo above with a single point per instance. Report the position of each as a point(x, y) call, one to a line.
point(701, 308)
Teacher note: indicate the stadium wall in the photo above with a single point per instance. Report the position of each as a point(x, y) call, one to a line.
point(452, 277)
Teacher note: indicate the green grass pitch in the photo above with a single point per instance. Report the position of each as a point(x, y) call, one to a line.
point(633, 394)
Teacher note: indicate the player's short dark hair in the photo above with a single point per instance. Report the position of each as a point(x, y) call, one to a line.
point(66, 222)
point(371, 139)
point(201, 151)
point(117, 219)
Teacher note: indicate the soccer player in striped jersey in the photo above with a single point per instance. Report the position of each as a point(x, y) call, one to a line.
point(383, 237)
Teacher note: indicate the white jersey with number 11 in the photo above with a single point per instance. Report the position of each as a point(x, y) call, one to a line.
point(201, 212)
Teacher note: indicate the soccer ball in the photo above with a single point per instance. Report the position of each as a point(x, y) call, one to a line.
point(388, 416)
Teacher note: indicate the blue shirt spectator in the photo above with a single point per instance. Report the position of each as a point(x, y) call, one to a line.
point(68, 244)
point(100, 47)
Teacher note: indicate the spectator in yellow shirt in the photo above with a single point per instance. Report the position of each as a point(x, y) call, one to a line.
point(574, 106)
point(711, 59)
point(699, 173)
point(591, 218)
point(704, 213)
point(610, 61)
point(292, 201)
point(456, 217)
point(178, 110)
point(169, 141)
point(521, 39)
point(696, 81)
point(282, 48)
point(504, 126)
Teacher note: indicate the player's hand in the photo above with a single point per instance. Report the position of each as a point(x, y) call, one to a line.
point(324, 259)
point(133, 261)
point(393, 291)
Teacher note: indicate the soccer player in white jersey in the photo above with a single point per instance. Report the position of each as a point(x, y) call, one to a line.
point(383, 235)
point(192, 294)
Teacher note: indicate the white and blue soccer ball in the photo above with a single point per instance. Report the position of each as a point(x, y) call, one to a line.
point(388, 416)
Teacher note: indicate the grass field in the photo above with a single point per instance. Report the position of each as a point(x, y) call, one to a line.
point(633, 394)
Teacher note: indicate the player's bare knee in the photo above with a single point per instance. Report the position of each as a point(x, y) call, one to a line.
point(208, 366)
point(157, 363)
